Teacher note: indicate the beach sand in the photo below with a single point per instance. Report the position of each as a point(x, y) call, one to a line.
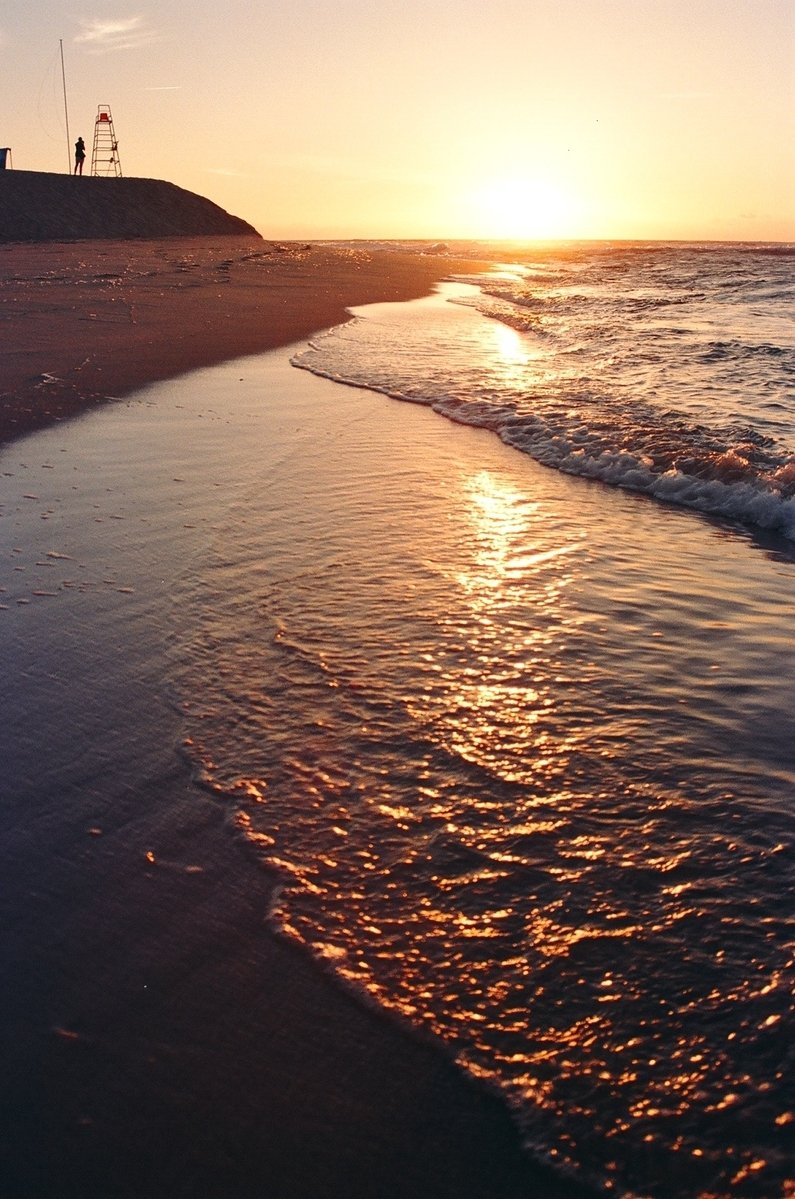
point(156, 1040)
point(83, 322)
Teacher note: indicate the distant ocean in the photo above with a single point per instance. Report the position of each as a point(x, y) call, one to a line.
point(514, 722)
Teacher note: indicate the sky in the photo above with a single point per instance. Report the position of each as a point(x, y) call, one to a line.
point(434, 119)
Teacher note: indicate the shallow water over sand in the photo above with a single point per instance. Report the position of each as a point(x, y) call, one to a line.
point(522, 751)
point(664, 369)
point(520, 748)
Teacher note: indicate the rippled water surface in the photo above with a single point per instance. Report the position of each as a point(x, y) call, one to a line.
point(666, 369)
point(521, 746)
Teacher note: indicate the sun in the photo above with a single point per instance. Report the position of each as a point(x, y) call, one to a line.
point(524, 210)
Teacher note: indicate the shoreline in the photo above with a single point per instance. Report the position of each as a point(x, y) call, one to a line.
point(87, 322)
point(158, 1039)
point(216, 1059)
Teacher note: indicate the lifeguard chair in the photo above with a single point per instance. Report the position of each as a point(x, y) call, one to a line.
point(105, 154)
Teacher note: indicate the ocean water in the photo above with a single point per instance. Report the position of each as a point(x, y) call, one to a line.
point(666, 369)
point(509, 707)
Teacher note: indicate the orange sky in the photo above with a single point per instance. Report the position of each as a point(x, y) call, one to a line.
point(429, 118)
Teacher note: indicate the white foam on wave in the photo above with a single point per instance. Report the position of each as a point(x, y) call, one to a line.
point(738, 501)
point(744, 502)
point(596, 385)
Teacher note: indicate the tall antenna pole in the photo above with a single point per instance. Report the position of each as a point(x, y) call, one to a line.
point(66, 114)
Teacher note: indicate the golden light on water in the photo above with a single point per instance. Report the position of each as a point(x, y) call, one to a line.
point(498, 513)
point(511, 355)
point(511, 578)
point(511, 543)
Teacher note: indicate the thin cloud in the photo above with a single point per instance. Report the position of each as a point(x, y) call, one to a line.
point(166, 87)
point(100, 36)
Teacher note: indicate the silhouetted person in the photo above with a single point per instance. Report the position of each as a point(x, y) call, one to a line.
point(80, 155)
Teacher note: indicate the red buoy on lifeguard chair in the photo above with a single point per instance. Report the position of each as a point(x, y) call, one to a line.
point(105, 155)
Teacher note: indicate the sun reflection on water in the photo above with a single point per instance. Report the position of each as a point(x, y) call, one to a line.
point(494, 701)
point(429, 757)
point(510, 354)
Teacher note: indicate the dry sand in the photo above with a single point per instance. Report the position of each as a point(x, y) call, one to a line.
point(83, 322)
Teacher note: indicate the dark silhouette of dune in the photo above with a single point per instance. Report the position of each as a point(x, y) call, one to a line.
point(37, 206)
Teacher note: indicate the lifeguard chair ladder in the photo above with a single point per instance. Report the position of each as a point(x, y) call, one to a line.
point(105, 155)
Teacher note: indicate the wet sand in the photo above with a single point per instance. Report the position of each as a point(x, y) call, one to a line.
point(156, 1039)
point(158, 1042)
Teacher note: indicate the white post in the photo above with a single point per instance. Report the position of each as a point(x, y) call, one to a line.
point(66, 114)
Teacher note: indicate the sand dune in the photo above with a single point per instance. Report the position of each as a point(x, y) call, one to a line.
point(38, 206)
